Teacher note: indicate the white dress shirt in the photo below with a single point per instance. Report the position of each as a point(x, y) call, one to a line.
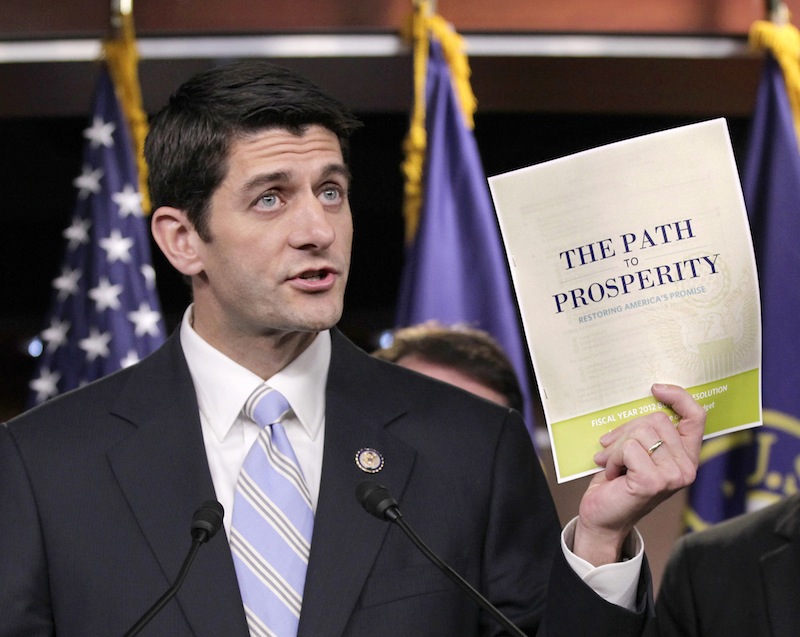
point(223, 386)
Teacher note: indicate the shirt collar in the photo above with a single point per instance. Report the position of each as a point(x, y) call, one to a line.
point(222, 385)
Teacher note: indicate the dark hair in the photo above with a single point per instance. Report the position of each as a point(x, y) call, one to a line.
point(469, 351)
point(189, 141)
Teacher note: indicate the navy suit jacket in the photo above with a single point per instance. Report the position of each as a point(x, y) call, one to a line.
point(98, 488)
point(741, 577)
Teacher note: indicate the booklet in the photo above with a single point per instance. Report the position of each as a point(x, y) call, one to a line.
point(633, 264)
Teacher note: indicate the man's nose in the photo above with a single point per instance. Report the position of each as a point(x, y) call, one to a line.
point(313, 224)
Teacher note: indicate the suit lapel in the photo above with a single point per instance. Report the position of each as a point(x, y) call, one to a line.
point(781, 570)
point(346, 540)
point(162, 470)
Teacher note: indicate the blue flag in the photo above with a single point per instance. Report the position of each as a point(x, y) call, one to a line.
point(104, 312)
point(455, 269)
point(747, 470)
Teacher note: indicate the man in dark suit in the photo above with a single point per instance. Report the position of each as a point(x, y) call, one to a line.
point(739, 577)
point(97, 488)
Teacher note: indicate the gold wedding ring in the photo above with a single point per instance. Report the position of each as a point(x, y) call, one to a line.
point(654, 446)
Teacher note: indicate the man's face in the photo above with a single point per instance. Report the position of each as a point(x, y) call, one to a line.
point(281, 236)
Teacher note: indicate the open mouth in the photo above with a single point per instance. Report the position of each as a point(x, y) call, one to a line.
point(316, 275)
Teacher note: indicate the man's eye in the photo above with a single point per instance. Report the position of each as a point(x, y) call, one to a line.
point(269, 200)
point(331, 194)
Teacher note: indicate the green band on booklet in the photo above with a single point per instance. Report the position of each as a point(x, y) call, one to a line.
point(730, 403)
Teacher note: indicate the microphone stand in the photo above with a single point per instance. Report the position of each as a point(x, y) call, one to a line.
point(455, 577)
point(206, 521)
point(170, 593)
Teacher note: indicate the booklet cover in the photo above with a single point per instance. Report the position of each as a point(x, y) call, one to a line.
point(633, 264)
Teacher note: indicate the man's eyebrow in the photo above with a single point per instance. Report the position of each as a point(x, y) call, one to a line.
point(337, 169)
point(263, 179)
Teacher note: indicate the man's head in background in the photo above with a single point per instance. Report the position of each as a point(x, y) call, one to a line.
point(460, 355)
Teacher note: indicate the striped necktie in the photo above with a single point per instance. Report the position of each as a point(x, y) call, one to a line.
point(272, 523)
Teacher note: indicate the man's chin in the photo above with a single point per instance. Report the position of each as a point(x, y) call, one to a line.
point(322, 323)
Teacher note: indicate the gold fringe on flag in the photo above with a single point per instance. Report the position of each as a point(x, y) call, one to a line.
point(422, 26)
point(782, 39)
point(123, 59)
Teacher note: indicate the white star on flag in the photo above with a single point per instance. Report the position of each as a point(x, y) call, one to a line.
point(105, 295)
point(67, 282)
point(55, 335)
point(78, 233)
point(129, 201)
point(131, 359)
point(100, 133)
point(46, 385)
point(96, 344)
point(88, 182)
point(146, 320)
point(117, 247)
point(149, 274)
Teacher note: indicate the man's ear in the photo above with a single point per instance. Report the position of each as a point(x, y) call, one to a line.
point(177, 239)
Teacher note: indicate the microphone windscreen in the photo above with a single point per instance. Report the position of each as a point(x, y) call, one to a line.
point(207, 520)
point(375, 499)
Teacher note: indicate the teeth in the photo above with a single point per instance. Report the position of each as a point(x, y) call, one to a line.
point(312, 277)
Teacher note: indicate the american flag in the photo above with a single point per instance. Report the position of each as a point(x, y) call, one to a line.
point(104, 313)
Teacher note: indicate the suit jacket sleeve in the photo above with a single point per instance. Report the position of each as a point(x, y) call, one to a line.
point(523, 553)
point(675, 611)
point(569, 607)
point(575, 609)
point(24, 588)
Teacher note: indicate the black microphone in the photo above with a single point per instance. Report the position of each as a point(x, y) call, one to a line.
point(377, 501)
point(206, 521)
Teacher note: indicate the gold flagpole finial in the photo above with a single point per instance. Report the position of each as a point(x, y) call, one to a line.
point(778, 12)
point(121, 10)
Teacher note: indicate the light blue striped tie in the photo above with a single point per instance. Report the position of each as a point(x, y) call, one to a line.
point(272, 523)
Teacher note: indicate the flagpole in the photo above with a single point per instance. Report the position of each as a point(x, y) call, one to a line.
point(121, 53)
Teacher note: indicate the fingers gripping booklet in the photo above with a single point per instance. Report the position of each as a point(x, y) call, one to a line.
point(633, 264)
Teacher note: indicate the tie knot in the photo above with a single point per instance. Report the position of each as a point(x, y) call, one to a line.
point(266, 406)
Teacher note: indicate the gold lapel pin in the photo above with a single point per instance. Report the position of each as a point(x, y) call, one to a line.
point(369, 460)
